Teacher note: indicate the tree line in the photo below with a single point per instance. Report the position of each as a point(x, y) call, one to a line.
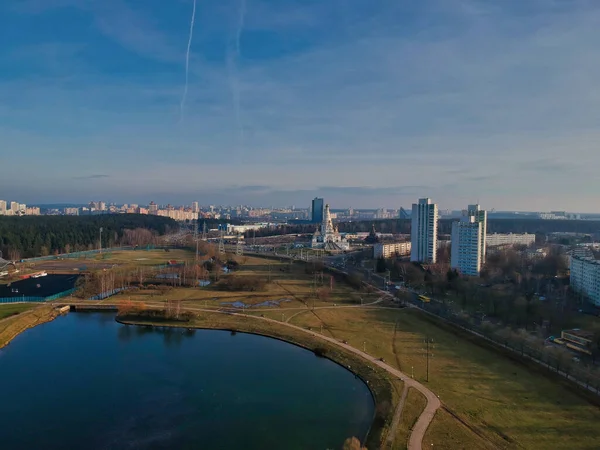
point(31, 236)
point(402, 226)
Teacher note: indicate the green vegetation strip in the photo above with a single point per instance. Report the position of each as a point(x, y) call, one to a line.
point(13, 309)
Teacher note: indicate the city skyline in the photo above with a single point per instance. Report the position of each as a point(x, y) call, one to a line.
point(374, 103)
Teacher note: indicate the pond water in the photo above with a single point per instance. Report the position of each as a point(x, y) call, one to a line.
point(85, 381)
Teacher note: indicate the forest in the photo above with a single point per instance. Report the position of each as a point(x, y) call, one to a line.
point(31, 236)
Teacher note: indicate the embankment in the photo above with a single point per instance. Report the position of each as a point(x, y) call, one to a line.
point(13, 326)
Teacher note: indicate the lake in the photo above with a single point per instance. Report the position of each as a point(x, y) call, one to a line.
point(85, 381)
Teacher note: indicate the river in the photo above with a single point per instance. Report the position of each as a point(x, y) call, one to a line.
point(85, 381)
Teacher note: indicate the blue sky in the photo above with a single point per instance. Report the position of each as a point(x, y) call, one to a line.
point(366, 102)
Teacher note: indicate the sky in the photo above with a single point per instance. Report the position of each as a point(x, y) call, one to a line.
point(369, 103)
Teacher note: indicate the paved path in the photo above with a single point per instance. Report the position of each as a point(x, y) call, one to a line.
point(433, 403)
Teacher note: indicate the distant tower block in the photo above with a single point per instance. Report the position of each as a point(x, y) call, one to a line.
point(239, 248)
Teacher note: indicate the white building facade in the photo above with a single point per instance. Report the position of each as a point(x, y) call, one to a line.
point(480, 216)
point(388, 250)
point(423, 233)
point(585, 278)
point(466, 254)
point(497, 239)
point(327, 236)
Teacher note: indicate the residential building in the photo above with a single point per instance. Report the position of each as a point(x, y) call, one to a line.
point(390, 249)
point(2, 206)
point(318, 208)
point(71, 211)
point(14, 207)
point(32, 211)
point(195, 207)
point(424, 231)
point(153, 208)
point(466, 246)
point(480, 216)
point(497, 239)
point(585, 277)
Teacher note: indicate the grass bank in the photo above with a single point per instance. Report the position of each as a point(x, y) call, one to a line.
point(12, 309)
point(490, 400)
point(386, 392)
point(14, 325)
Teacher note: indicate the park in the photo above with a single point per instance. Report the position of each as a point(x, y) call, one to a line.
point(486, 398)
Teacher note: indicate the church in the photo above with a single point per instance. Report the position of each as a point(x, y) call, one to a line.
point(327, 236)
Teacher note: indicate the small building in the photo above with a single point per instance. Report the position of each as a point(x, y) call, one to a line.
point(578, 340)
point(389, 249)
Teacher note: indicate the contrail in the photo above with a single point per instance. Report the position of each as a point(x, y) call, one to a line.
point(187, 61)
point(233, 72)
point(242, 19)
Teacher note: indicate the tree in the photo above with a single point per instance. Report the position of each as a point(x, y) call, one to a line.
point(353, 444)
point(381, 266)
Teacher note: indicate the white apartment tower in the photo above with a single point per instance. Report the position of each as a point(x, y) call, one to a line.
point(480, 216)
point(469, 241)
point(423, 233)
point(466, 246)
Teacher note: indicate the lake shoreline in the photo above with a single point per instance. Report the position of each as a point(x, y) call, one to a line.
point(24, 321)
point(378, 384)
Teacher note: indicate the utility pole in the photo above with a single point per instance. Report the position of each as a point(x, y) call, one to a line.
point(221, 243)
point(427, 357)
point(100, 241)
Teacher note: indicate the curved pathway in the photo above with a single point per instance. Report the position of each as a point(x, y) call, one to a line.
point(433, 402)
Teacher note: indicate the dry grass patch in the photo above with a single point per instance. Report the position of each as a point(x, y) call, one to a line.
point(501, 400)
point(12, 326)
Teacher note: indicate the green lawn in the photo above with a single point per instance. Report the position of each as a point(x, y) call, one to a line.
point(12, 309)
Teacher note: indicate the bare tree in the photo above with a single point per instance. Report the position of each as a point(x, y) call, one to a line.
point(353, 444)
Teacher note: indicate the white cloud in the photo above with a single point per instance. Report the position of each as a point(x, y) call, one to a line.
point(464, 95)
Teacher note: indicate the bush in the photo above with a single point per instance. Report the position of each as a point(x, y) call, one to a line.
point(242, 283)
point(320, 351)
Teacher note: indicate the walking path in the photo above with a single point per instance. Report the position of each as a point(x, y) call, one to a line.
point(433, 402)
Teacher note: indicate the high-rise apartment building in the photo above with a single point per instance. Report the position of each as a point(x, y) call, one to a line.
point(480, 216)
point(424, 231)
point(195, 207)
point(14, 207)
point(466, 255)
point(2, 206)
point(318, 206)
point(585, 277)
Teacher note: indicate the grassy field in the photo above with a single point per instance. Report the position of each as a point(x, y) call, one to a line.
point(11, 327)
point(289, 286)
point(504, 404)
point(12, 309)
